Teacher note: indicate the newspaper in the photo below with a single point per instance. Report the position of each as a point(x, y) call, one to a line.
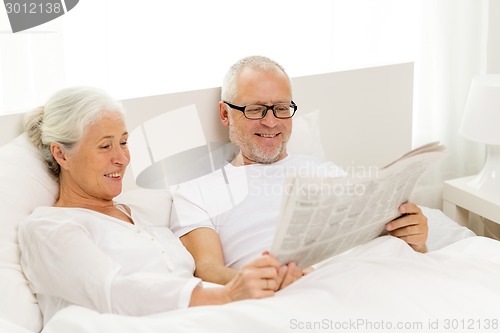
point(322, 217)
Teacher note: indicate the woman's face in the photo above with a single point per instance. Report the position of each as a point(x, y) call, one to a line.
point(95, 168)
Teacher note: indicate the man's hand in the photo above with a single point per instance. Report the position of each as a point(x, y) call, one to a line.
point(289, 273)
point(410, 227)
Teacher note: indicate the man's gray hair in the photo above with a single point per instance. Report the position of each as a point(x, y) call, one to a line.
point(230, 83)
point(64, 118)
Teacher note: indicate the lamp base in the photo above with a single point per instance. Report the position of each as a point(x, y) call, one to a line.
point(489, 178)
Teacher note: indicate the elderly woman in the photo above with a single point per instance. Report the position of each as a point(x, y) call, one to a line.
point(92, 251)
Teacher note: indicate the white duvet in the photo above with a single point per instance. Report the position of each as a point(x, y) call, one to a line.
point(380, 286)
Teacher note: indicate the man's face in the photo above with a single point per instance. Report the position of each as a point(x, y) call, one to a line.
point(263, 140)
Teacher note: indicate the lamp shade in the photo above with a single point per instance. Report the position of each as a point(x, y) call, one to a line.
point(481, 120)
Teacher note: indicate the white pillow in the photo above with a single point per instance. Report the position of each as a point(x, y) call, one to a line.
point(443, 231)
point(153, 204)
point(306, 138)
point(25, 184)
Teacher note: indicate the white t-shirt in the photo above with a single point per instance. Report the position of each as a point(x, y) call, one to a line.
point(79, 256)
point(242, 204)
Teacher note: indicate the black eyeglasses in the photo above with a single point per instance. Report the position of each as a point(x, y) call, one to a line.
point(280, 111)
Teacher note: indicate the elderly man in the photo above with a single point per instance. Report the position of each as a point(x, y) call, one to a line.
point(229, 217)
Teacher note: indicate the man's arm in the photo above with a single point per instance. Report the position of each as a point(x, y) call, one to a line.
point(205, 247)
point(411, 227)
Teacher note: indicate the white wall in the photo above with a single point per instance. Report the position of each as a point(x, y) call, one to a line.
point(148, 47)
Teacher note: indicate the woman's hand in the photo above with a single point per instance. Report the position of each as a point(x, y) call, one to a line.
point(258, 279)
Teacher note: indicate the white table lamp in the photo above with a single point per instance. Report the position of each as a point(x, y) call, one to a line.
point(481, 123)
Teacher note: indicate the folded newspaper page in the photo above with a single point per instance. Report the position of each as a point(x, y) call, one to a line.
point(323, 217)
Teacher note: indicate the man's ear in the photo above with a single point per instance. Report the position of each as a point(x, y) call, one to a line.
point(59, 154)
point(223, 113)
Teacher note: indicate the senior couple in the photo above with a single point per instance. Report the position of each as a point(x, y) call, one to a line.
point(87, 249)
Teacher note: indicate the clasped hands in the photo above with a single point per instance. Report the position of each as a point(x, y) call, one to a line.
point(262, 277)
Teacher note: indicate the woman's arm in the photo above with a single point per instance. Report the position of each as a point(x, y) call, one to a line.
point(258, 279)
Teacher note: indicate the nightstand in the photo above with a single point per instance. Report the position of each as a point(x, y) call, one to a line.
point(459, 199)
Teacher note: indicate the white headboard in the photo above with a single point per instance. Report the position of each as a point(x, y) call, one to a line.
point(366, 114)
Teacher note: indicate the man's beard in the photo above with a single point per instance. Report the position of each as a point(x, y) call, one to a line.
point(252, 151)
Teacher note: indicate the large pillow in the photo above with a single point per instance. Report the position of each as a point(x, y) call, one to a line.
point(25, 183)
point(153, 204)
point(306, 138)
point(156, 166)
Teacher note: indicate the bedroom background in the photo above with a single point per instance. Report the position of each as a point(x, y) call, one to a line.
point(150, 47)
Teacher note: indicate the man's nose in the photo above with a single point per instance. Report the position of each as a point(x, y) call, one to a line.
point(269, 119)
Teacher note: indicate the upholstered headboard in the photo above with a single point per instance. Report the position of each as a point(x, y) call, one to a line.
point(365, 115)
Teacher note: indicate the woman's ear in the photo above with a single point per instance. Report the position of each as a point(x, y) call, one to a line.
point(223, 113)
point(59, 154)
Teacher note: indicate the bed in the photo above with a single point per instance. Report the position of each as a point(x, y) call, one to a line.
point(356, 118)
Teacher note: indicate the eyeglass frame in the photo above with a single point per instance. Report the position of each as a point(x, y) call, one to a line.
point(264, 113)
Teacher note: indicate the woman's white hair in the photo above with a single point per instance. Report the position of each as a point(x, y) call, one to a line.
point(230, 83)
point(64, 118)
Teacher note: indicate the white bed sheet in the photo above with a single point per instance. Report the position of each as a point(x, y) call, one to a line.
point(9, 327)
point(375, 287)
